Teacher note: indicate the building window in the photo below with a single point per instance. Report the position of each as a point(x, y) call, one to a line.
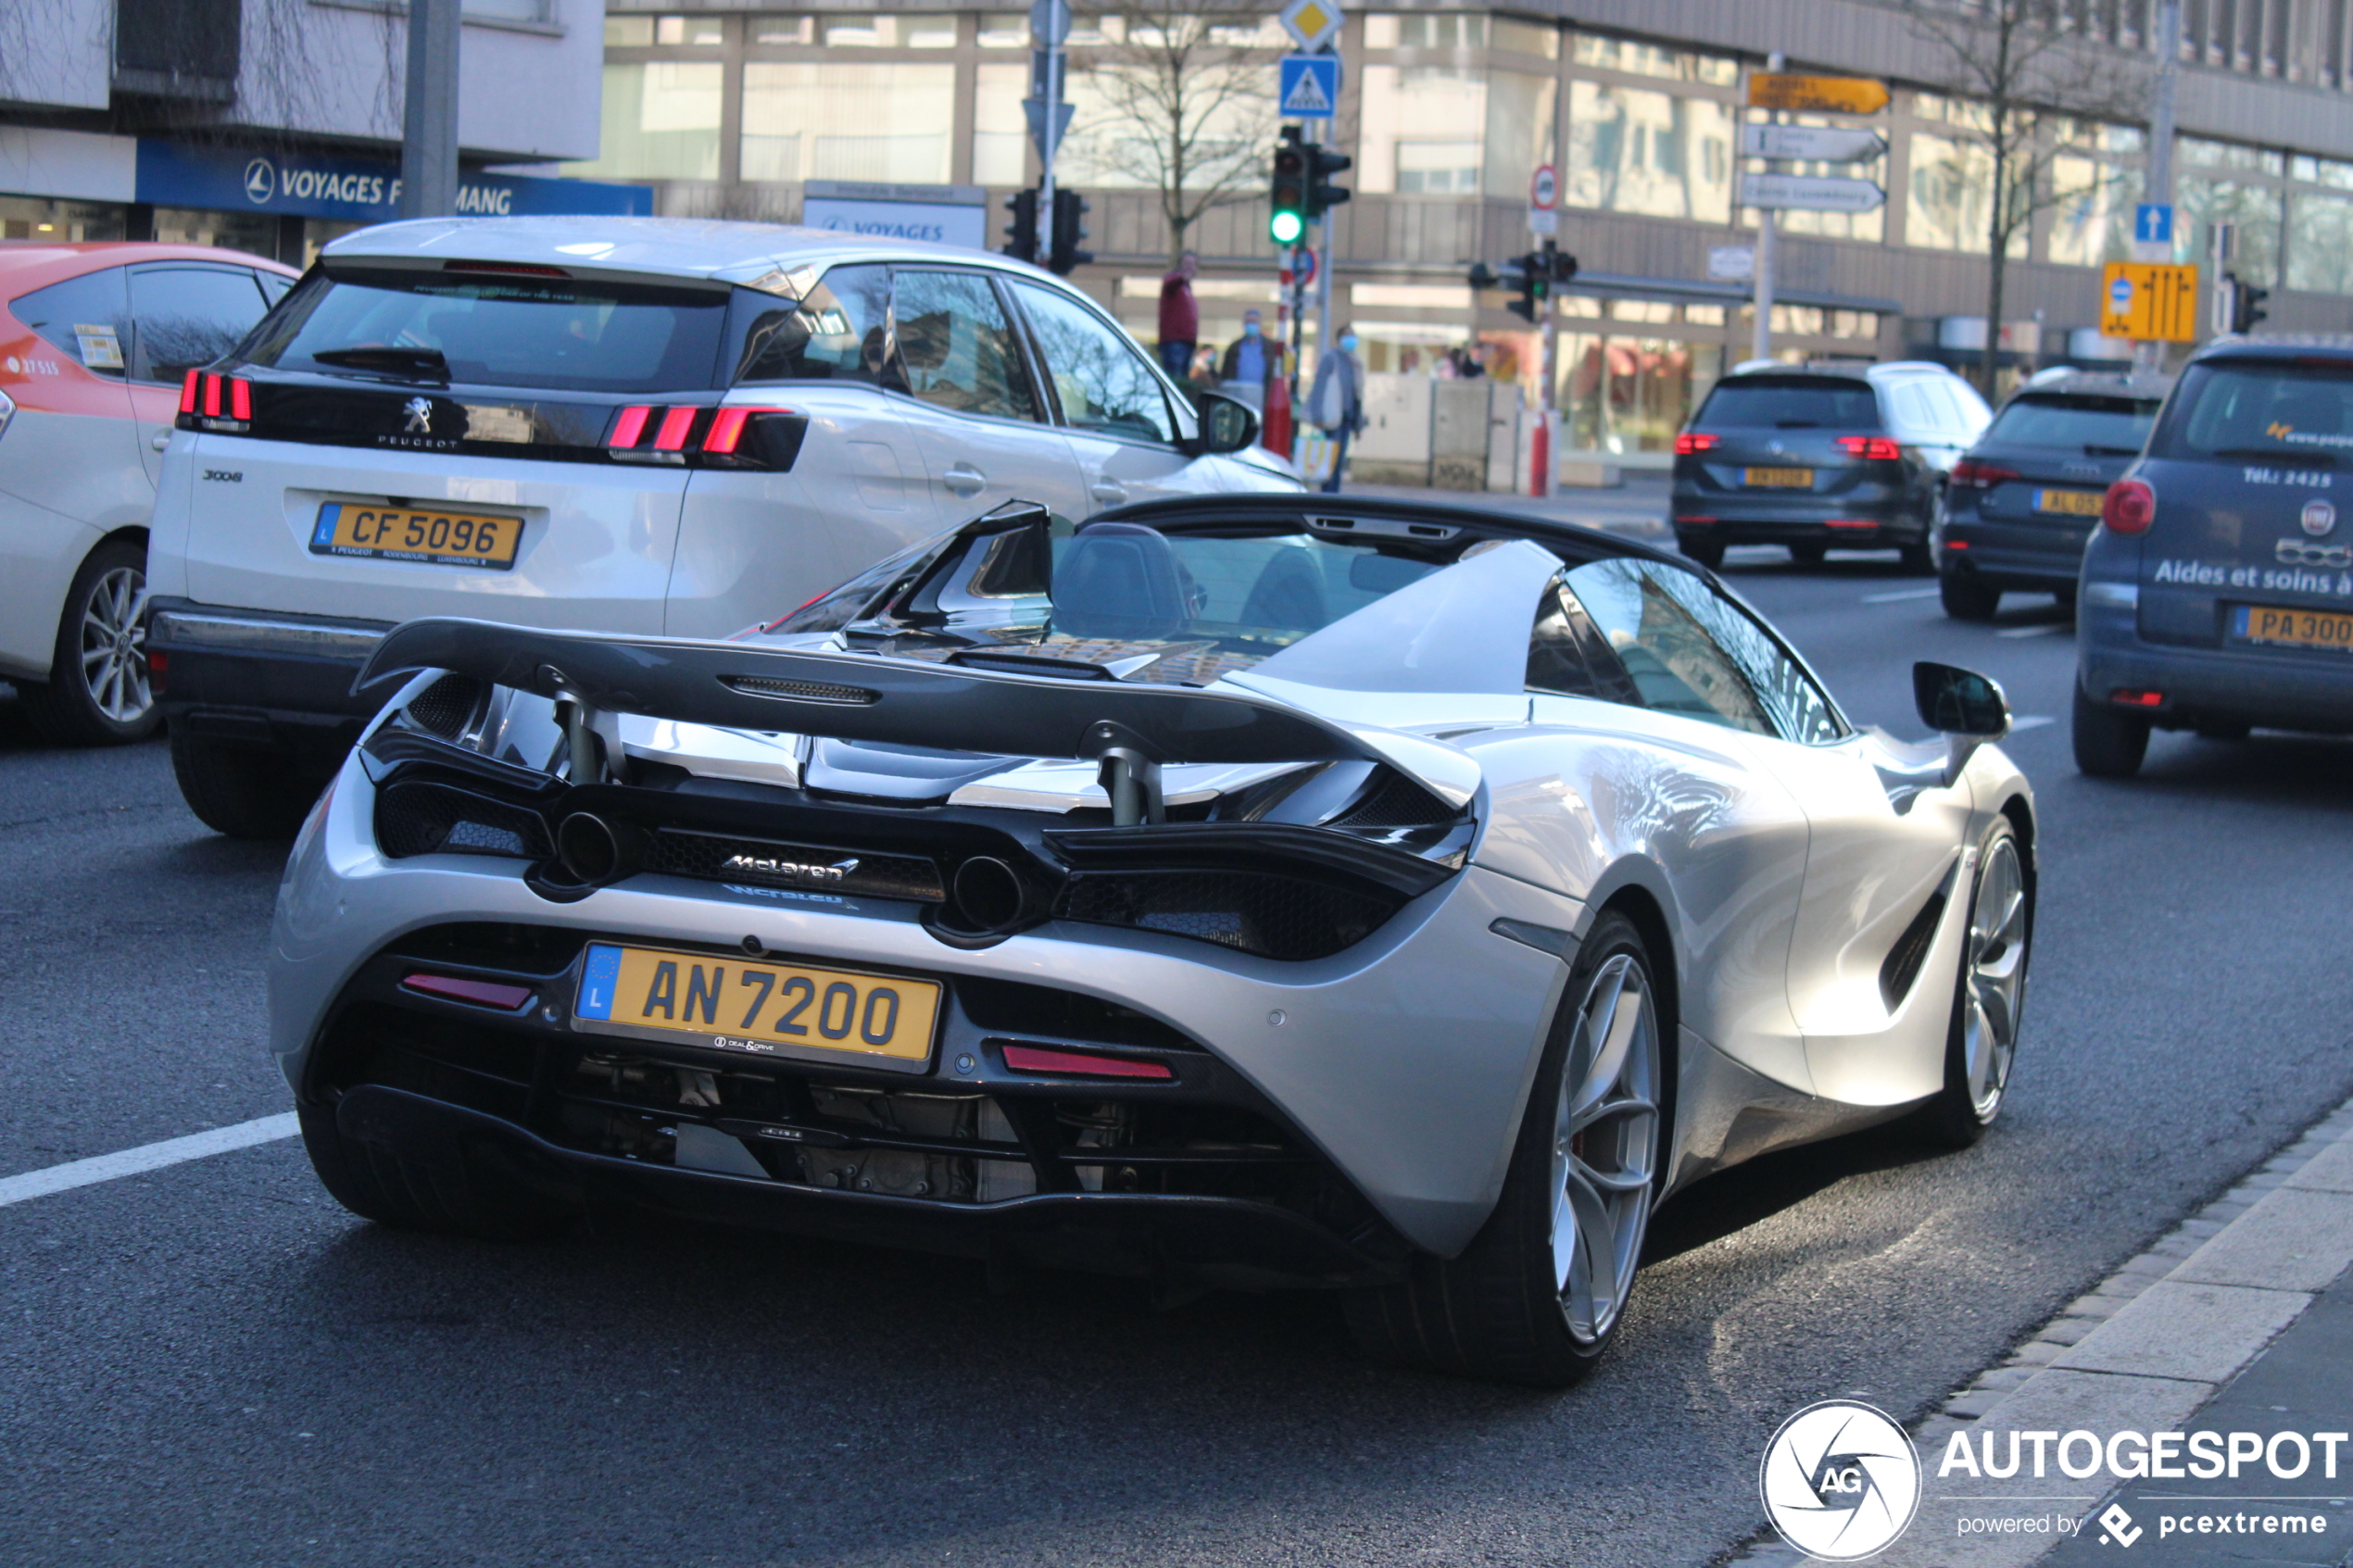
point(1630, 150)
point(1436, 130)
point(888, 123)
point(2320, 244)
point(2200, 203)
point(1651, 59)
point(1008, 30)
point(788, 31)
point(1948, 203)
point(661, 122)
point(889, 33)
point(1444, 29)
point(1000, 129)
point(638, 32)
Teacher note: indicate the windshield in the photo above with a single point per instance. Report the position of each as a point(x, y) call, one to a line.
point(1792, 402)
point(2111, 425)
point(558, 334)
point(2249, 409)
point(1205, 604)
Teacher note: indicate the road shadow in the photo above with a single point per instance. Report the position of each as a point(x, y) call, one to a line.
point(1728, 1201)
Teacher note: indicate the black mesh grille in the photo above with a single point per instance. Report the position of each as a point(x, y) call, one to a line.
point(802, 691)
point(443, 707)
point(1393, 801)
point(1275, 917)
point(764, 862)
point(428, 819)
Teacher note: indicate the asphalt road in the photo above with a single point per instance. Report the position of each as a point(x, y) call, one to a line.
point(213, 1364)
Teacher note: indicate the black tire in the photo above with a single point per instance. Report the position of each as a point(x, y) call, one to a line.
point(2108, 745)
point(1966, 598)
point(1497, 1312)
point(1917, 559)
point(1809, 554)
point(107, 702)
point(450, 1195)
point(1710, 553)
point(243, 791)
point(1989, 994)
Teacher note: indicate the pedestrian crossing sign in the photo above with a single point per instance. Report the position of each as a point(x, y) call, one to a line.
point(1309, 87)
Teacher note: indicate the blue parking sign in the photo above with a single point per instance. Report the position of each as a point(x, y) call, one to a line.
point(1308, 87)
point(2153, 223)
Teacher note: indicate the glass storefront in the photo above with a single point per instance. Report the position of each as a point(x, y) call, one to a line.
point(35, 217)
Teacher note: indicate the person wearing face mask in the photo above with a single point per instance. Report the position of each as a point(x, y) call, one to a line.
point(1250, 362)
point(1336, 403)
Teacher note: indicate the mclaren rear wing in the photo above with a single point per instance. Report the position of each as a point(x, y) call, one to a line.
point(1133, 731)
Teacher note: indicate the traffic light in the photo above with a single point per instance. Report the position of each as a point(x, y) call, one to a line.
point(1063, 257)
point(2246, 304)
point(1322, 164)
point(1535, 274)
point(1021, 234)
point(1288, 190)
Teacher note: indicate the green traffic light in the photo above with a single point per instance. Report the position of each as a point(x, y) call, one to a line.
point(1286, 228)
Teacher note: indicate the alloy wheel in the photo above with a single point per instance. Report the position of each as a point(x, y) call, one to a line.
point(1995, 981)
point(1605, 1148)
point(114, 645)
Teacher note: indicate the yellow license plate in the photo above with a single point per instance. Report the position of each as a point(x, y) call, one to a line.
point(758, 1009)
point(1779, 479)
point(419, 533)
point(2296, 628)
point(2075, 503)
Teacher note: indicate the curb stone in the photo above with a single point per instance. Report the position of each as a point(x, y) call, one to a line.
point(2147, 1347)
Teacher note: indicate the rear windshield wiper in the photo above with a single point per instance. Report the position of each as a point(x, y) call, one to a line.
point(415, 364)
point(2273, 455)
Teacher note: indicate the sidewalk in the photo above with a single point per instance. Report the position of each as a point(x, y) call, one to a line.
point(2239, 1323)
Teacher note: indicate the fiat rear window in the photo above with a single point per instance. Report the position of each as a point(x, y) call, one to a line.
point(2258, 409)
point(1791, 403)
point(482, 329)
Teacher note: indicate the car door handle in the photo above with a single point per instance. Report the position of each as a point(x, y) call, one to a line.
point(1108, 492)
point(965, 479)
point(159, 440)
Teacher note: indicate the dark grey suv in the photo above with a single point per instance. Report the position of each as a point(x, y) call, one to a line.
point(1822, 457)
point(2217, 594)
point(2020, 505)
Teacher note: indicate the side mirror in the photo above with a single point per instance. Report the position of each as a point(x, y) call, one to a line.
point(1969, 709)
point(1227, 424)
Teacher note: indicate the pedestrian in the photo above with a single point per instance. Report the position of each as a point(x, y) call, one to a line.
point(1179, 317)
point(1336, 403)
point(1249, 360)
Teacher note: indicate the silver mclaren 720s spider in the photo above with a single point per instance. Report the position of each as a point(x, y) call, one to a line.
point(1234, 891)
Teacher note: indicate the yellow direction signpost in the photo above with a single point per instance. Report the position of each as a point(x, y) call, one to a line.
point(2149, 301)
point(1815, 95)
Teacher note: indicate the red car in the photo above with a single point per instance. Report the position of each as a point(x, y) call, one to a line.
point(94, 341)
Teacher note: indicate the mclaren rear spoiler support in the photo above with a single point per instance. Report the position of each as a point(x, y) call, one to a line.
point(1131, 732)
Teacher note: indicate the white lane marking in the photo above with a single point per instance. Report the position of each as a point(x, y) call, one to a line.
point(146, 1156)
point(1898, 598)
point(2031, 721)
point(2042, 630)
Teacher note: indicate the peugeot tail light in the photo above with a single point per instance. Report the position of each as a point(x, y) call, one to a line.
point(240, 399)
point(1871, 448)
point(188, 390)
point(2128, 506)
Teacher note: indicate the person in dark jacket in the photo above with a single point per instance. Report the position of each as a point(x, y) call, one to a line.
point(1336, 402)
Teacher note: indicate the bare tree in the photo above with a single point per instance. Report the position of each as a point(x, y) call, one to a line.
point(2017, 67)
point(1186, 101)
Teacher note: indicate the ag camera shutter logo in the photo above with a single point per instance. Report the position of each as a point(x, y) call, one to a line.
point(1840, 1481)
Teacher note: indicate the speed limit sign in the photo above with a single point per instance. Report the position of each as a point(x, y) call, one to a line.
point(1544, 188)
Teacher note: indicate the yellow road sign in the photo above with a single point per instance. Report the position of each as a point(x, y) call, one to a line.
point(1820, 94)
point(2150, 301)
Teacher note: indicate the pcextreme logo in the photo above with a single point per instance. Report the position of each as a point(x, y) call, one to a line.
point(1840, 1481)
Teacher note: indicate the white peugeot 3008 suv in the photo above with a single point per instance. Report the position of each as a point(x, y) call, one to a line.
point(627, 425)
